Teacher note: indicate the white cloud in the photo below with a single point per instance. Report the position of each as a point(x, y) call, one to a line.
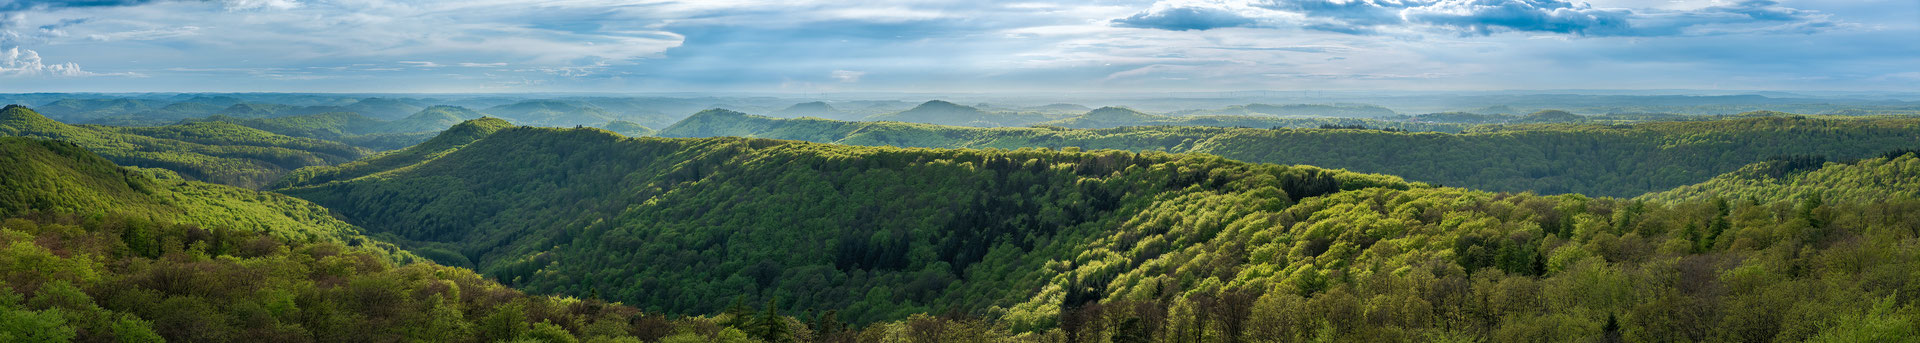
point(482, 65)
point(848, 76)
point(147, 34)
point(242, 5)
point(17, 62)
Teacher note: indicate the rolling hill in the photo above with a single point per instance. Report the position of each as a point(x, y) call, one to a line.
point(1894, 175)
point(978, 206)
point(1296, 110)
point(97, 253)
point(1140, 246)
point(627, 128)
point(941, 112)
point(213, 152)
point(1611, 160)
point(1112, 117)
point(552, 113)
point(814, 109)
point(384, 108)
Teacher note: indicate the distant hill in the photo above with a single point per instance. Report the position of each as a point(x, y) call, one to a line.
point(384, 108)
point(87, 110)
point(940, 112)
point(263, 110)
point(814, 109)
point(1297, 110)
point(1550, 116)
point(328, 126)
point(353, 128)
point(432, 119)
point(1067, 108)
point(1604, 160)
point(627, 128)
point(1112, 117)
point(552, 113)
point(161, 116)
point(452, 138)
point(213, 152)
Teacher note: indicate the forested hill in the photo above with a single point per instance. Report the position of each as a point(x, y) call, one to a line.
point(1135, 247)
point(877, 233)
point(1111, 117)
point(96, 253)
point(1609, 160)
point(1893, 175)
point(42, 176)
point(453, 138)
point(214, 152)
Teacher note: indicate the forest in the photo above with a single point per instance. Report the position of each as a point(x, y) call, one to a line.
point(1618, 160)
point(1226, 251)
point(490, 232)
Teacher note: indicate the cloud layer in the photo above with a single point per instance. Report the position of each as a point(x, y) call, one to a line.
point(952, 45)
point(1476, 17)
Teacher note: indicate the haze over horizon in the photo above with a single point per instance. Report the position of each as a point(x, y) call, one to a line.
point(954, 46)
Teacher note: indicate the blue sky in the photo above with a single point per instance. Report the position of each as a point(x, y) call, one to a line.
point(810, 46)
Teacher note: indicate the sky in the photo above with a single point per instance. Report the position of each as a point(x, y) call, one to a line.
point(974, 46)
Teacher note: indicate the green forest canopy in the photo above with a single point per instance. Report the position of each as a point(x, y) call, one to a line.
point(214, 152)
point(1141, 246)
point(1601, 160)
point(91, 252)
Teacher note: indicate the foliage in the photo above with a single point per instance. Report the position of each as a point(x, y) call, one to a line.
point(1602, 160)
point(1894, 177)
point(1081, 246)
point(445, 141)
point(1111, 117)
point(213, 152)
point(876, 233)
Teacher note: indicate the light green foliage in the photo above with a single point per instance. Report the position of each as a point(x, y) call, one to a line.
point(878, 233)
point(50, 176)
point(114, 272)
point(213, 152)
point(1889, 177)
point(1187, 248)
point(355, 129)
point(1599, 160)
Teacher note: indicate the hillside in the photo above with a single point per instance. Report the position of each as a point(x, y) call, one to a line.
point(1112, 117)
point(326, 126)
point(161, 116)
point(1296, 110)
point(59, 177)
point(96, 253)
point(1182, 247)
point(627, 128)
point(432, 119)
point(441, 143)
point(814, 109)
point(1894, 175)
point(1602, 160)
point(355, 129)
point(384, 108)
point(552, 113)
point(87, 110)
point(213, 152)
point(941, 112)
point(521, 199)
